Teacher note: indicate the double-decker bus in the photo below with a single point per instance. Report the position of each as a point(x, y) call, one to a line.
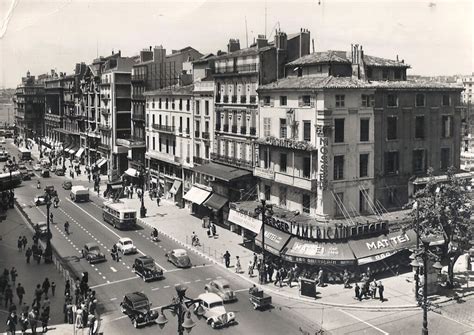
point(119, 215)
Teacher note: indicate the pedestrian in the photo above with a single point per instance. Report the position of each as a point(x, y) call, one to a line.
point(46, 285)
point(44, 320)
point(8, 295)
point(290, 277)
point(13, 274)
point(38, 294)
point(214, 229)
point(39, 254)
point(24, 241)
point(53, 288)
point(357, 292)
point(238, 267)
point(345, 278)
point(277, 278)
point(254, 260)
point(46, 303)
point(93, 325)
point(67, 288)
point(12, 322)
point(20, 243)
point(33, 319)
point(270, 270)
point(158, 201)
point(321, 278)
point(20, 292)
point(227, 259)
point(78, 317)
point(23, 323)
point(373, 289)
point(381, 289)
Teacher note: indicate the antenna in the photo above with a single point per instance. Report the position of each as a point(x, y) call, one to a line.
point(313, 44)
point(246, 32)
point(97, 48)
point(265, 18)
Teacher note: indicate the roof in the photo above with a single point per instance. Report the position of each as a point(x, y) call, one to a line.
point(412, 84)
point(378, 61)
point(123, 239)
point(210, 297)
point(172, 90)
point(245, 52)
point(180, 252)
point(118, 206)
point(146, 258)
point(313, 82)
point(222, 172)
point(91, 244)
point(204, 59)
point(136, 296)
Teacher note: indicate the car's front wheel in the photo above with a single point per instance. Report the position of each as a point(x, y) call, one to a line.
point(135, 323)
point(213, 325)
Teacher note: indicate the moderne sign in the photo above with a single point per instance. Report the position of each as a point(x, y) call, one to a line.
point(245, 221)
point(394, 242)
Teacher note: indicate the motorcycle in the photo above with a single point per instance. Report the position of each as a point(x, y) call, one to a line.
point(154, 237)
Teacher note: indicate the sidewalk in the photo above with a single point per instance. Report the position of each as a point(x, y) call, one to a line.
point(178, 224)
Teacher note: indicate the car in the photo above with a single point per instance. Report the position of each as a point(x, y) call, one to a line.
point(138, 308)
point(179, 257)
point(125, 245)
point(44, 173)
point(60, 172)
point(24, 172)
point(144, 267)
point(40, 200)
point(2, 140)
point(214, 311)
point(221, 287)
point(52, 168)
point(49, 189)
point(31, 172)
point(92, 254)
point(37, 167)
point(67, 184)
point(42, 229)
point(4, 156)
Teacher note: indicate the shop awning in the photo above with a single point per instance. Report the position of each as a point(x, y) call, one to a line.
point(222, 172)
point(377, 248)
point(132, 172)
point(245, 221)
point(303, 251)
point(216, 201)
point(101, 162)
point(275, 240)
point(80, 152)
point(175, 188)
point(196, 195)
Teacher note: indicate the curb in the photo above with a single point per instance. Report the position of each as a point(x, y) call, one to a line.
point(279, 293)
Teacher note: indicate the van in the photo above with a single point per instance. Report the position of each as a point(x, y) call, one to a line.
point(79, 193)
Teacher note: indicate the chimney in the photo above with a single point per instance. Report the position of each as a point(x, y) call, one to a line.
point(234, 45)
point(151, 48)
point(261, 41)
point(397, 58)
point(280, 40)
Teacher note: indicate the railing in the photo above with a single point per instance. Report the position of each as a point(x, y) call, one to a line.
point(199, 160)
point(243, 99)
point(253, 131)
point(225, 128)
point(138, 78)
point(234, 129)
point(300, 182)
point(226, 98)
point(160, 127)
point(138, 116)
point(130, 142)
point(196, 134)
point(205, 135)
point(234, 99)
point(243, 130)
point(264, 173)
point(231, 160)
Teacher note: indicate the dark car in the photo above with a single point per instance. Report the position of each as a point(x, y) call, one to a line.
point(179, 257)
point(59, 172)
point(137, 307)
point(67, 184)
point(92, 254)
point(40, 200)
point(44, 173)
point(144, 267)
point(42, 230)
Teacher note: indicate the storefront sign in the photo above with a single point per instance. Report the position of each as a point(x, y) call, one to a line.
point(245, 221)
point(388, 243)
point(323, 160)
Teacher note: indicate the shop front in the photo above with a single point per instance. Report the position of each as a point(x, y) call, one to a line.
point(275, 240)
point(249, 226)
point(194, 199)
point(175, 192)
point(216, 203)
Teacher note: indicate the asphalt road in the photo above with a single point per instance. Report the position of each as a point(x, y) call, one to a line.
point(112, 280)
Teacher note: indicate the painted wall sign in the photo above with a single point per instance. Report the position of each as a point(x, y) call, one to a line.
point(321, 132)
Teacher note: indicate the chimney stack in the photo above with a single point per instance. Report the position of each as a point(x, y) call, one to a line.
point(234, 45)
point(261, 41)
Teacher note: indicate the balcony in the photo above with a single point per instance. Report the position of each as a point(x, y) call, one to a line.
point(234, 99)
point(218, 98)
point(253, 99)
point(105, 111)
point(103, 147)
point(253, 131)
point(264, 173)
point(163, 128)
point(243, 130)
point(303, 183)
point(105, 127)
point(138, 96)
point(241, 163)
point(218, 126)
point(205, 135)
point(200, 161)
point(225, 99)
point(138, 117)
point(105, 96)
point(166, 157)
point(196, 134)
point(130, 143)
point(225, 128)
point(234, 129)
point(243, 99)
point(138, 78)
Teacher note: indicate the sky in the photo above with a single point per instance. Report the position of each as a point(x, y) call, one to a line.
point(435, 37)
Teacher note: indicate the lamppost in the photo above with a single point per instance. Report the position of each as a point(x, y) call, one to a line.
point(262, 209)
point(425, 254)
point(417, 228)
point(142, 181)
point(48, 252)
point(180, 307)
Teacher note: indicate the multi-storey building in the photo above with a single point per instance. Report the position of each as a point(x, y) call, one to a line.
point(29, 106)
point(467, 147)
point(154, 70)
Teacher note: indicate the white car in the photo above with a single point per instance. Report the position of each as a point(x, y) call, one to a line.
point(37, 167)
point(214, 311)
point(125, 245)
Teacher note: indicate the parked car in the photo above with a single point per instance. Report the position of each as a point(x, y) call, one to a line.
point(4, 156)
point(221, 287)
point(144, 267)
point(25, 174)
point(179, 257)
point(214, 311)
point(60, 172)
point(92, 254)
point(67, 184)
point(138, 308)
point(40, 200)
point(51, 191)
point(42, 229)
point(125, 245)
point(44, 173)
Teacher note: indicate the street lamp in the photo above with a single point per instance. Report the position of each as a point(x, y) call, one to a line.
point(262, 209)
point(48, 252)
point(180, 307)
point(425, 254)
point(142, 181)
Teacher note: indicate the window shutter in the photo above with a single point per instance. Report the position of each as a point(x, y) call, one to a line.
point(300, 101)
point(272, 102)
point(313, 101)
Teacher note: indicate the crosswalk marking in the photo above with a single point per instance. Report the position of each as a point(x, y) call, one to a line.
point(113, 269)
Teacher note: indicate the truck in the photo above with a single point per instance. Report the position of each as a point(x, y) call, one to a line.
point(79, 193)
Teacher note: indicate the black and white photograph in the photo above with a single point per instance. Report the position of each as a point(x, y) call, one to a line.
point(236, 167)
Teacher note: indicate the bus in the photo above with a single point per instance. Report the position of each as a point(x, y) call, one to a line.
point(8, 181)
point(119, 215)
point(24, 154)
point(79, 193)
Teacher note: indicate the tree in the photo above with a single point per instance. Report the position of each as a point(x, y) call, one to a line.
point(445, 208)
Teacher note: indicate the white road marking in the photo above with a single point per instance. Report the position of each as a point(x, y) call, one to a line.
point(363, 321)
point(208, 278)
point(114, 282)
point(197, 280)
point(112, 299)
point(242, 290)
point(167, 286)
point(155, 289)
point(187, 282)
point(103, 277)
point(113, 269)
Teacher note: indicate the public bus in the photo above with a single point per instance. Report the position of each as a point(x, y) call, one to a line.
point(24, 154)
point(8, 181)
point(119, 215)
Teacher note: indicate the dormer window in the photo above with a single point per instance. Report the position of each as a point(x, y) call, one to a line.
point(300, 72)
point(385, 74)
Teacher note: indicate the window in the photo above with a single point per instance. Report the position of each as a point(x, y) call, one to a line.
point(283, 129)
point(167, 146)
point(419, 165)
point(368, 100)
point(391, 128)
point(159, 120)
point(159, 103)
point(445, 158)
point(446, 124)
point(338, 167)
point(300, 71)
point(307, 130)
point(385, 74)
point(364, 130)
point(153, 142)
point(340, 100)
point(363, 165)
point(282, 196)
point(268, 191)
point(319, 68)
point(283, 160)
point(338, 130)
point(420, 100)
point(339, 203)
point(166, 103)
point(153, 103)
point(160, 143)
point(392, 100)
point(206, 107)
point(267, 126)
point(391, 162)
point(283, 100)
point(398, 74)
point(266, 100)
point(363, 201)
point(306, 203)
point(198, 105)
point(305, 100)
point(306, 167)
point(420, 127)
